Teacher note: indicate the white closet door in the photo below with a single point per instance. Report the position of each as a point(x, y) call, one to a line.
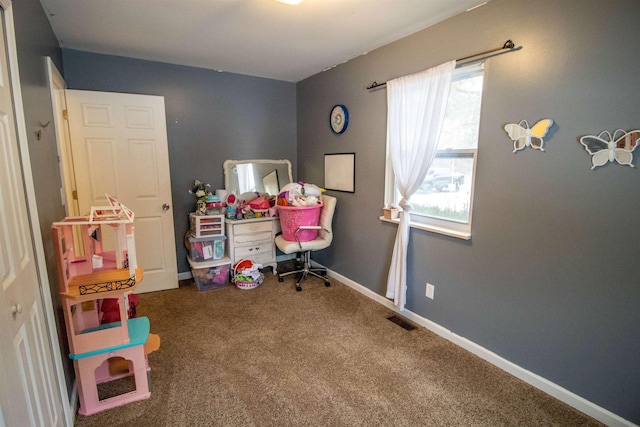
point(29, 394)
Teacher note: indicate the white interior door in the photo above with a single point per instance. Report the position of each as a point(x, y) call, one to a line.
point(119, 147)
point(29, 394)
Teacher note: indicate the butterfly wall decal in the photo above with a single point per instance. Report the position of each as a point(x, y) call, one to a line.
point(523, 136)
point(605, 148)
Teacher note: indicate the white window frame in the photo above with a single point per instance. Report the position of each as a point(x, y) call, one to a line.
point(436, 225)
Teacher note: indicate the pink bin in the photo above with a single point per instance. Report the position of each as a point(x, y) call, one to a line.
point(292, 217)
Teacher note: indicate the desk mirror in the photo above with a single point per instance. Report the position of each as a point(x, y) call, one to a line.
point(264, 176)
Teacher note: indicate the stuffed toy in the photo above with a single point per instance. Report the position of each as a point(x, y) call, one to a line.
point(299, 194)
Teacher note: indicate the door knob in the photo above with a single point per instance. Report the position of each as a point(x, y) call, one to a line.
point(165, 207)
point(16, 309)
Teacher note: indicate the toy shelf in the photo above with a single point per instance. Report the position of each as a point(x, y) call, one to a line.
point(81, 319)
point(90, 277)
point(138, 334)
point(101, 366)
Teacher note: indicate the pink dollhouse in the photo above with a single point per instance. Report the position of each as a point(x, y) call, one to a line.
point(96, 260)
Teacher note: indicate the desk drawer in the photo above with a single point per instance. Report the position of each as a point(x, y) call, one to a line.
point(266, 258)
point(252, 227)
point(253, 251)
point(243, 239)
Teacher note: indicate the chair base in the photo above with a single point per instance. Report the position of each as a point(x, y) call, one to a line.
point(305, 271)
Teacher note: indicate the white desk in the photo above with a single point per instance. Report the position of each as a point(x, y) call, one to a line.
point(253, 239)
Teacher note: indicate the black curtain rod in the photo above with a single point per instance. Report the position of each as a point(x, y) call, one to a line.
point(508, 45)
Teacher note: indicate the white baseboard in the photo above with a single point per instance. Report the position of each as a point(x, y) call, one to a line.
point(188, 275)
point(589, 408)
point(184, 276)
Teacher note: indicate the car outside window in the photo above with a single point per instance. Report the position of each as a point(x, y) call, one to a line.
point(444, 200)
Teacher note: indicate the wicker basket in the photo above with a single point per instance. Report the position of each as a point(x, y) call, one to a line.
point(241, 283)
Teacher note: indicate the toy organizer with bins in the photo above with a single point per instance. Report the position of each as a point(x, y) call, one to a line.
point(89, 274)
point(206, 225)
point(206, 245)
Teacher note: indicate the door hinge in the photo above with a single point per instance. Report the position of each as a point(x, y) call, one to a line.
point(75, 194)
point(65, 114)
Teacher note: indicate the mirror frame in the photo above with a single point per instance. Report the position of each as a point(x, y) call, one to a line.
point(230, 164)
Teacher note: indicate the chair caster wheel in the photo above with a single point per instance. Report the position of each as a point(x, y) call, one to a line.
point(280, 279)
point(327, 284)
point(298, 288)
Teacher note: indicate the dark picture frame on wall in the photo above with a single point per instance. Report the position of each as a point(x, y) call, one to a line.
point(340, 172)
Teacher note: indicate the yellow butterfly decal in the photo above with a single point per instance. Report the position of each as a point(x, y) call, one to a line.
point(523, 136)
point(618, 147)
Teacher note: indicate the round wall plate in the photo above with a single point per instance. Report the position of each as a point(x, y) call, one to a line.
point(339, 118)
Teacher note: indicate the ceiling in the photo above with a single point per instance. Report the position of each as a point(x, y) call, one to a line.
point(261, 38)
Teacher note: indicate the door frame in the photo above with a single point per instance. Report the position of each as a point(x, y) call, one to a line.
point(61, 132)
point(63, 143)
point(36, 236)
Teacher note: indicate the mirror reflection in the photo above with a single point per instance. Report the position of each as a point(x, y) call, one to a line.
point(262, 175)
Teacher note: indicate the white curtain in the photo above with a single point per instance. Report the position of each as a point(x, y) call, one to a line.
point(415, 111)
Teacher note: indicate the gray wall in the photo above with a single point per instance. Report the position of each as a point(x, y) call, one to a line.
point(35, 41)
point(549, 280)
point(211, 117)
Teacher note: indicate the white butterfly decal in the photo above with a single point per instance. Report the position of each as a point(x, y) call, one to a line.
point(618, 147)
point(523, 136)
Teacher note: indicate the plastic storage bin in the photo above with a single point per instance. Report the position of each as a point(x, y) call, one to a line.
point(212, 274)
point(206, 248)
point(292, 217)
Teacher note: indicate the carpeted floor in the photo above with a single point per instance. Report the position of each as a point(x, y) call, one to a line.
point(272, 356)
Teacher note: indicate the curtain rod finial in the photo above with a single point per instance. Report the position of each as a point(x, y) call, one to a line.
point(375, 85)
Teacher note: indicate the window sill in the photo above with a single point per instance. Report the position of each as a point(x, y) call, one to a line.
point(439, 230)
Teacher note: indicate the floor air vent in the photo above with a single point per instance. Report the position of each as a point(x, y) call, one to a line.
point(401, 322)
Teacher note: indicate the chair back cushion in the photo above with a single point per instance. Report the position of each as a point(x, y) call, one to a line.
point(326, 218)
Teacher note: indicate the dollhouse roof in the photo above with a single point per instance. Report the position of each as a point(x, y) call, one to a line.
point(115, 213)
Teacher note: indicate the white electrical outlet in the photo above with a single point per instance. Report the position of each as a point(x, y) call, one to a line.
point(430, 289)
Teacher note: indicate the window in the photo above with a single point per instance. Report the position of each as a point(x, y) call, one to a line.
point(246, 181)
point(444, 201)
